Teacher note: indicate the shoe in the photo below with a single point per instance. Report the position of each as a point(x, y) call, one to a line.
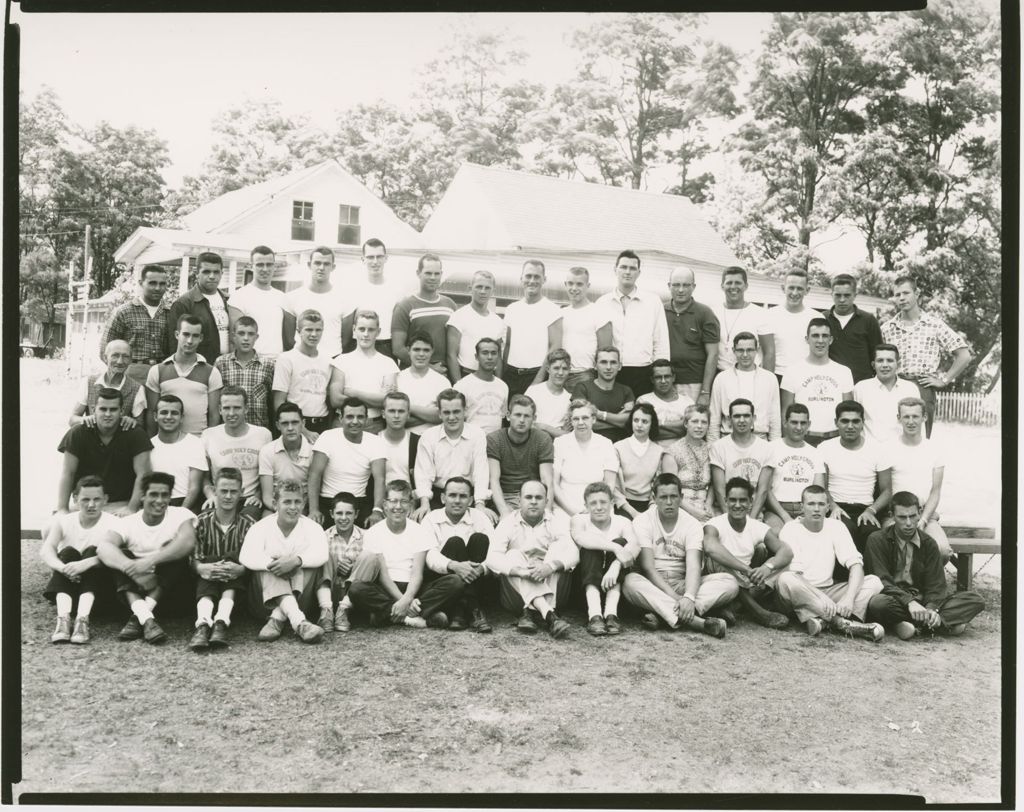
point(955, 630)
point(814, 626)
point(219, 635)
point(772, 620)
point(378, 620)
point(438, 620)
point(326, 620)
point(726, 614)
point(457, 622)
point(526, 623)
point(132, 630)
point(271, 630)
point(152, 632)
point(905, 630)
point(853, 628)
point(479, 622)
point(650, 621)
point(81, 633)
point(201, 638)
point(714, 627)
point(595, 626)
point(309, 632)
point(612, 625)
point(413, 622)
point(62, 634)
point(557, 628)
point(341, 621)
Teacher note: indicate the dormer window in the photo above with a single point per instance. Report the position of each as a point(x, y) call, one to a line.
point(348, 225)
point(302, 220)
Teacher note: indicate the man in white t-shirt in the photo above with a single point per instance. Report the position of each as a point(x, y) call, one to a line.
point(374, 292)
point(364, 373)
point(818, 382)
point(918, 467)
point(666, 582)
point(321, 296)
point(788, 322)
point(551, 397)
point(148, 552)
point(470, 323)
point(745, 380)
point(585, 327)
point(881, 395)
point(669, 403)
point(266, 304)
point(486, 394)
point(533, 328)
point(422, 384)
point(387, 578)
point(301, 374)
point(807, 587)
point(856, 469)
point(737, 316)
point(749, 551)
point(739, 453)
point(348, 459)
point(178, 453)
point(792, 465)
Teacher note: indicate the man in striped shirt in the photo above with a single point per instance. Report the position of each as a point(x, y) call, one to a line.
point(426, 311)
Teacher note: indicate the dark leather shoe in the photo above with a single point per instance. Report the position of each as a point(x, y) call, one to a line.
point(557, 628)
point(219, 635)
point(458, 621)
point(526, 624)
point(479, 622)
point(595, 626)
point(152, 632)
point(612, 625)
point(132, 630)
point(200, 639)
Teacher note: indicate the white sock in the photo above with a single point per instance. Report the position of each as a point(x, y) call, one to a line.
point(323, 597)
point(142, 611)
point(278, 614)
point(541, 605)
point(63, 604)
point(204, 612)
point(291, 609)
point(611, 601)
point(150, 602)
point(85, 604)
point(346, 603)
point(224, 610)
point(593, 600)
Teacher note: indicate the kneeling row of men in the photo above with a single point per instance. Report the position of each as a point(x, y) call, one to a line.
point(437, 573)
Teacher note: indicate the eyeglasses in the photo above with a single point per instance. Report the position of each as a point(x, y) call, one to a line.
point(396, 502)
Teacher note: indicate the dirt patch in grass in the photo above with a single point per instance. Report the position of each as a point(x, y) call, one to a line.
point(399, 710)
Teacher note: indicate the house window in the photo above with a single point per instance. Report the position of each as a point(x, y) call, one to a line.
point(302, 220)
point(348, 225)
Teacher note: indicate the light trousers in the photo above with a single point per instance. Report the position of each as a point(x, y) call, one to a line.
point(808, 601)
point(716, 589)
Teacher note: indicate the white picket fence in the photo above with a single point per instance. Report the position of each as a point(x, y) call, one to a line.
point(973, 408)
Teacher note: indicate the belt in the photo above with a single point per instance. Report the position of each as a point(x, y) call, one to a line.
point(521, 370)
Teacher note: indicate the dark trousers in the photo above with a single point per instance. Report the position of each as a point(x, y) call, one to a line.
point(474, 551)
point(177, 501)
point(595, 563)
point(364, 505)
point(860, 533)
point(518, 379)
point(383, 346)
point(960, 607)
point(168, 576)
point(318, 424)
point(90, 580)
point(636, 378)
point(817, 439)
point(215, 589)
point(928, 395)
point(637, 505)
point(441, 592)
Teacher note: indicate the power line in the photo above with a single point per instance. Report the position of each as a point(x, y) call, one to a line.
point(51, 233)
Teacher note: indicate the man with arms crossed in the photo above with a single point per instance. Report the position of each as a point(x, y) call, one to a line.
point(264, 303)
point(533, 329)
point(585, 327)
point(881, 395)
point(613, 400)
point(693, 335)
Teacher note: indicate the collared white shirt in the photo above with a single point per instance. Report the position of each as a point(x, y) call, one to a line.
point(647, 336)
point(440, 457)
point(548, 540)
point(880, 406)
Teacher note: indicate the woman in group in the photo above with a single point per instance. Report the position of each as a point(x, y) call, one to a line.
point(581, 457)
point(641, 459)
point(692, 456)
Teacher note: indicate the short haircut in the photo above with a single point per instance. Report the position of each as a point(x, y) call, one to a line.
point(818, 322)
point(423, 336)
point(210, 258)
point(366, 313)
point(234, 390)
point(534, 482)
point(696, 408)
point(734, 270)
point(796, 272)
point(109, 393)
point(247, 321)
point(167, 397)
point(558, 355)
point(608, 348)
point(905, 499)
point(660, 362)
point(451, 394)
point(289, 485)
point(849, 406)
point(373, 242)
point(485, 274)
point(262, 250)
point(352, 403)
point(89, 481)
point(322, 249)
point(812, 490)
point(312, 316)
point(227, 472)
point(904, 279)
point(628, 254)
point(843, 279)
point(650, 411)
point(156, 478)
point(148, 269)
point(740, 402)
point(426, 258)
point(188, 318)
point(579, 270)
point(537, 264)
point(912, 401)
point(739, 482)
point(580, 403)
point(746, 335)
point(522, 400)
point(286, 408)
point(398, 486)
point(398, 396)
point(797, 408)
point(458, 480)
point(596, 487)
point(887, 348)
point(483, 341)
point(662, 480)
point(343, 497)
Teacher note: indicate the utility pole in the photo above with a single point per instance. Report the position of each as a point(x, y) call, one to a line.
point(87, 258)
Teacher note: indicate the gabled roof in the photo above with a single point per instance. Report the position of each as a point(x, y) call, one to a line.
point(545, 212)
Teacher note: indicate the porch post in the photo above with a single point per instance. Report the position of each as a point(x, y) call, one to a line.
point(183, 277)
point(232, 276)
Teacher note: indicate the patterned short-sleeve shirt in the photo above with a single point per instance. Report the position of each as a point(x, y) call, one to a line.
point(921, 342)
point(256, 377)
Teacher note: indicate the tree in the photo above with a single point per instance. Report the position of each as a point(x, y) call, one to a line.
point(42, 285)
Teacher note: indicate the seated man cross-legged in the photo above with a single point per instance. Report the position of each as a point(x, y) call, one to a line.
point(667, 582)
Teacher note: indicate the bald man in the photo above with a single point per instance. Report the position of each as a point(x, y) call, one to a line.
point(693, 336)
point(117, 355)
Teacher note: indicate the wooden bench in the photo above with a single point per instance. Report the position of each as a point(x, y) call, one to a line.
point(966, 542)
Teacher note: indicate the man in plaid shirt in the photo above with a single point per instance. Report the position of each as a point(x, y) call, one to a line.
point(344, 544)
point(142, 322)
point(246, 368)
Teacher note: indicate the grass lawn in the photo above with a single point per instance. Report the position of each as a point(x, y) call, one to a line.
point(399, 710)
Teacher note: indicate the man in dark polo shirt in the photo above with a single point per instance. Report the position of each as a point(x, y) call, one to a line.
point(855, 332)
point(693, 336)
point(613, 400)
point(204, 301)
point(519, 454)
point(118, 456)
